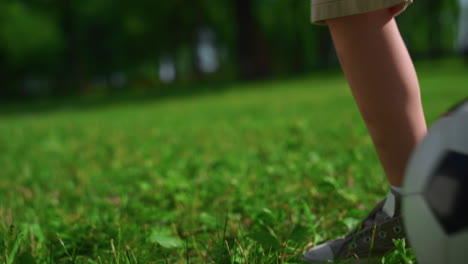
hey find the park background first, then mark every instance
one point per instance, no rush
(86, 47)
(192, 131)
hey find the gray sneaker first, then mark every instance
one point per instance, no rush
(368, 242)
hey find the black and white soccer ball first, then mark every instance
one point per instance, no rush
(435, 198)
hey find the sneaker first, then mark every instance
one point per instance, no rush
(368, 242)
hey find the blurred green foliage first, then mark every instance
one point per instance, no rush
(69, 46)
(29, 34)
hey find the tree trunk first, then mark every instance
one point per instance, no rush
(326, 46)
(434, 9)
(252, 47)
(69, 75)
(299, 61)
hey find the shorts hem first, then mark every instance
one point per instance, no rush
(324, 10)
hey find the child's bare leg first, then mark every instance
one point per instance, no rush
(383, 81)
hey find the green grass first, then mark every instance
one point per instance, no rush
(252, 174)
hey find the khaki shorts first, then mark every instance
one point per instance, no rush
(326, 9)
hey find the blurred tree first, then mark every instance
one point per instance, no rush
(433, 10)
(71, 74)
(73, 46)
(428, 28)
(252, 47)
(462, 29)
(30, 44)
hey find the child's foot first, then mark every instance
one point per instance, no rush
(370, 241)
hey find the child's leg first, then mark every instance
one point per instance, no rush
(384, 83)
(383, 80)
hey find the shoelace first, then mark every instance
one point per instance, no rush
(374, 217)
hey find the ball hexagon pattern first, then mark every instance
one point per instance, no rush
(446, 192)
(435, 198)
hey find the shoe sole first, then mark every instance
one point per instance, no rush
(350, 261)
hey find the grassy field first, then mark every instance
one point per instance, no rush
(252, 174)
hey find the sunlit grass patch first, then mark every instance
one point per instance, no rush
(251, 175)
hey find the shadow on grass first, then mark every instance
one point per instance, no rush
(105, 98)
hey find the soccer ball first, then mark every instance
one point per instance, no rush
(435, 196)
